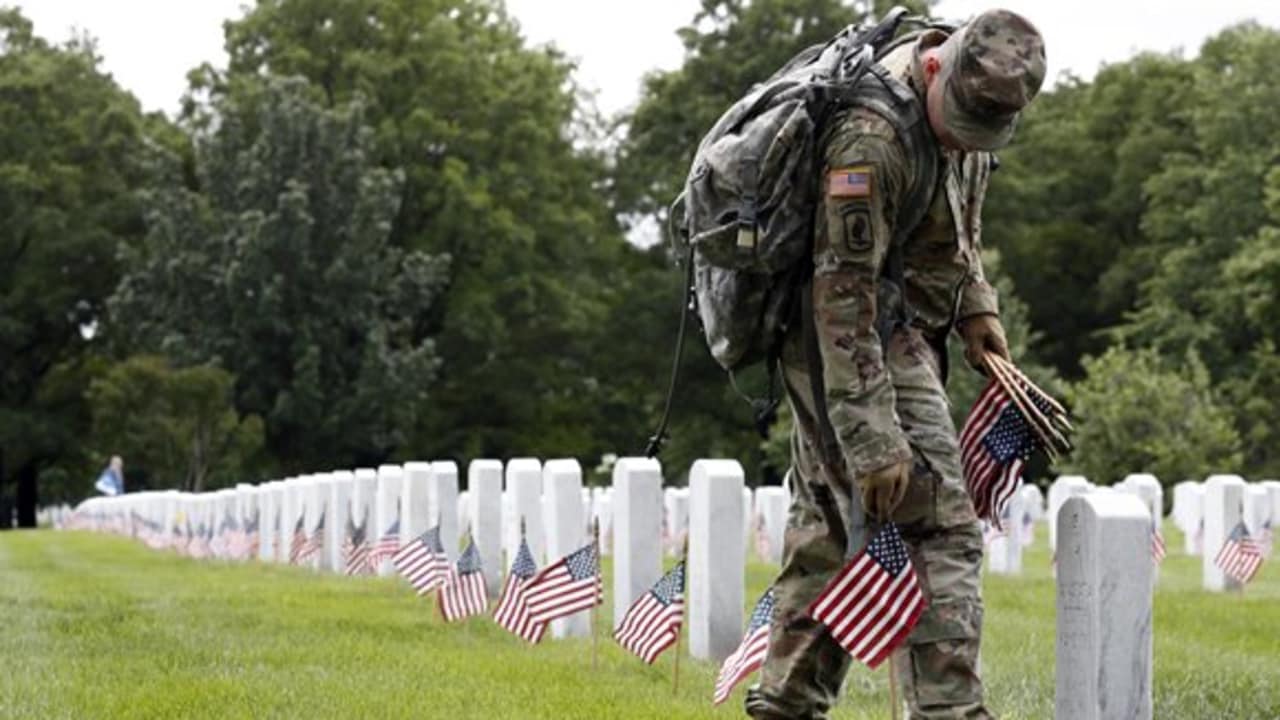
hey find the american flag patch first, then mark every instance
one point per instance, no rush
(850, 182)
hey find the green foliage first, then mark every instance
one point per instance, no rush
(484, 128)
(1137, 413)
(70, 142)
(177, 427)
(287, 642)
(277, 265)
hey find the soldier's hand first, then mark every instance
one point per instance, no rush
(883, 490)
(983, 334)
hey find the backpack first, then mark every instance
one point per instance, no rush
(748, 205)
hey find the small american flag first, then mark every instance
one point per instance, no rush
(315, 542)
(199, 546)
(465, 594)
(1240, 557)
(1157, 544)
(569, 585)
(652, 623)
(994, 445)
(513, 607)
(252, 536)
(355, 550)
(422, 562)
(872, 604)
(990, 532)
(749, 655)
(1028, 534)
(386, 546)
(299, 542)
(1265, 538)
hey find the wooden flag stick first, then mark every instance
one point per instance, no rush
(595, 608)
(1013, 392)
(998, 359)
(893, 690)
(999, 365)
(684, 559)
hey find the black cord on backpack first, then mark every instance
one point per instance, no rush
(656, 441)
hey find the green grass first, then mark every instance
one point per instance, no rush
(98, 627)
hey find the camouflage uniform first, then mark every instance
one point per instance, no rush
(884, 408)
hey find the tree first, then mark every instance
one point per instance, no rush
(277, 265)
(69, 142)
(485, 129)
(177, 428)
(1137, 413)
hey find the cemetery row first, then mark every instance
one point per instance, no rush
(1103, 540)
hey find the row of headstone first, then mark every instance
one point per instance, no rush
(545, 499)
(53, 516)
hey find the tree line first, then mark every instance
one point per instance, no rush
(395, 229)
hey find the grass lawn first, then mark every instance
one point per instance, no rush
(100, 627)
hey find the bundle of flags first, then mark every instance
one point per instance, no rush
(1011, 419)
(1240, 556)
(299, 541)
(652, 623)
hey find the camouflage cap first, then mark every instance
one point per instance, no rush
(991, 69)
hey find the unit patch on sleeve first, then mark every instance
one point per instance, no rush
(850, 182)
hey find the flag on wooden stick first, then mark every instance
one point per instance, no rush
(652, 623)
(872, 604)
(750, 653)
(464, 594)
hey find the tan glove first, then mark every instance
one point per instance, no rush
(983, 334)
(883, 490)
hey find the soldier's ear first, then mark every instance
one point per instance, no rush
(932, 65)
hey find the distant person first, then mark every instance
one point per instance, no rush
(111, 481)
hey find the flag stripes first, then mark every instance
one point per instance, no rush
(652, 623)
(874, 601)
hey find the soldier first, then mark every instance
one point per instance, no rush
(883, 407)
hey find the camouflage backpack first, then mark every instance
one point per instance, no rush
(745, 218)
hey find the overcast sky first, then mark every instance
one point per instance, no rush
(149, 45)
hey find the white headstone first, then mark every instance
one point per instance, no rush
(484, 482)
(1033, 501)
(1148, 489)
(1104, 586)
(637, 519)
(746, 523)
(290, 513)
(316, 513)
(562, 494)
(524, 482)
(363, 492)
(1223, 498)
(386, 509)
(1257, 508)
(715, 578)
(334, 522)
(340, 484)
(268, 506)
(1004, 554)
(1273, 492)
(771, 521)
(676, 518)
(602, 512)
(464, 517)
(1066, 486)
(442, 501)
(414, 505)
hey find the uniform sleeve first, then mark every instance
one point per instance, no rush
(864, 179)
(977, 296)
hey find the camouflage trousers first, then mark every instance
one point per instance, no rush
(938, 665)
